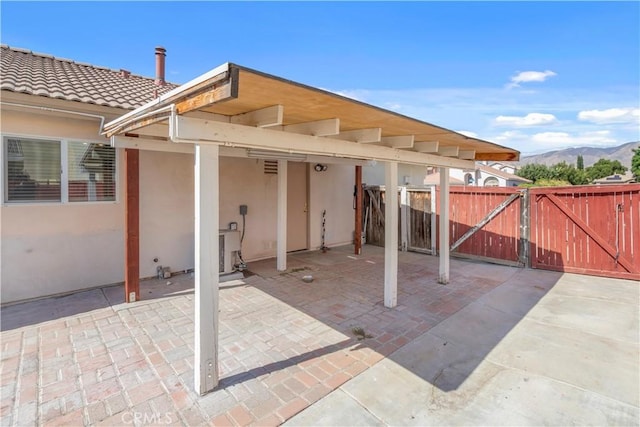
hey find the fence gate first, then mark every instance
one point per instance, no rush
(588, 230)
(485, 223)
(419, 207)
(416, 217)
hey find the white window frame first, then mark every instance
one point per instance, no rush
(64, 174)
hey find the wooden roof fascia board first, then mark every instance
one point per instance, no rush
(217, 74)
(498, 156)
(135, 126)
(196, 131)
(222, 91)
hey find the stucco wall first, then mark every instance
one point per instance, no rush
(55, 248)
(243, 182)
(331, 190)
(407, 174)
(166, 211)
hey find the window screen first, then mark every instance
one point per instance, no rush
(32, 170)
(91, 172)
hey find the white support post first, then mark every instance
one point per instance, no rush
(391, 235)
(404, 219)
(443, 276)
(206, 192)
(281, 227)
(433, 220)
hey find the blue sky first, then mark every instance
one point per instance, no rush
(534, 76)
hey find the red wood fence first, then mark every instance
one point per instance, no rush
(588, 230)
(484, 222)
(581, 229)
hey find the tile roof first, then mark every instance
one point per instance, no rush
(32, 73)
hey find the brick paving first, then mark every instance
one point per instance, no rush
(90, 359)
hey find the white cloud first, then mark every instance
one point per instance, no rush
(529, 76)
(612, 115)
(531, 119)
(565, 139)
(510, 135)
(468, 133)
(475, 110)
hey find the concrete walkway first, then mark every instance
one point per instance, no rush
(509, 358)
(498, 345)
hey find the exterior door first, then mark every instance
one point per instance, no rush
(297, 208)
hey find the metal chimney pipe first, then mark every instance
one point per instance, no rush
(160, 55)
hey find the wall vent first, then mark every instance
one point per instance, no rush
(271, 167)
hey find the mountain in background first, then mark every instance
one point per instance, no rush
(622, 153)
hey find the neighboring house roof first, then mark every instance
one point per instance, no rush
(617, 178)
(38, 74)
(434, 179)
(502, 174)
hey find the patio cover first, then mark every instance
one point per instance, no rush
(236, 111)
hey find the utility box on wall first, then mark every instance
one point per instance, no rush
(229, 242)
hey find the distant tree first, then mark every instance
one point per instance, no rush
(604, 167)
(561, 171)
(635, 164)
(578, 177)
(547, 183)
(580, 162)
(568, 173)
(534, 172)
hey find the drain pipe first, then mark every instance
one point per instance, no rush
(58, 110)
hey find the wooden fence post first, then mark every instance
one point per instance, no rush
(525, 228)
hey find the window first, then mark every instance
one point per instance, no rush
(91, 172)
(491, 181)
(38, 170)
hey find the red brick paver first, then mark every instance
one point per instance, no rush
(284, 344)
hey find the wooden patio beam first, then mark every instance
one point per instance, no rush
(189, 130)
(132, 226)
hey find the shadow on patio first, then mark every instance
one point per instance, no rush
(347, 295)
(283, 343)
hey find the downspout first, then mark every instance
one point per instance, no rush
(58, 110)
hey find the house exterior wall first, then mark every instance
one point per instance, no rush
(332, 190)
(407, 174)
(243, 182)
(166, 211)
(52, 248)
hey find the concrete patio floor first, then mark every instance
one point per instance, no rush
(498, 345)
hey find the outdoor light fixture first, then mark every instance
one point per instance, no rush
(320, 167)
(276, 155)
